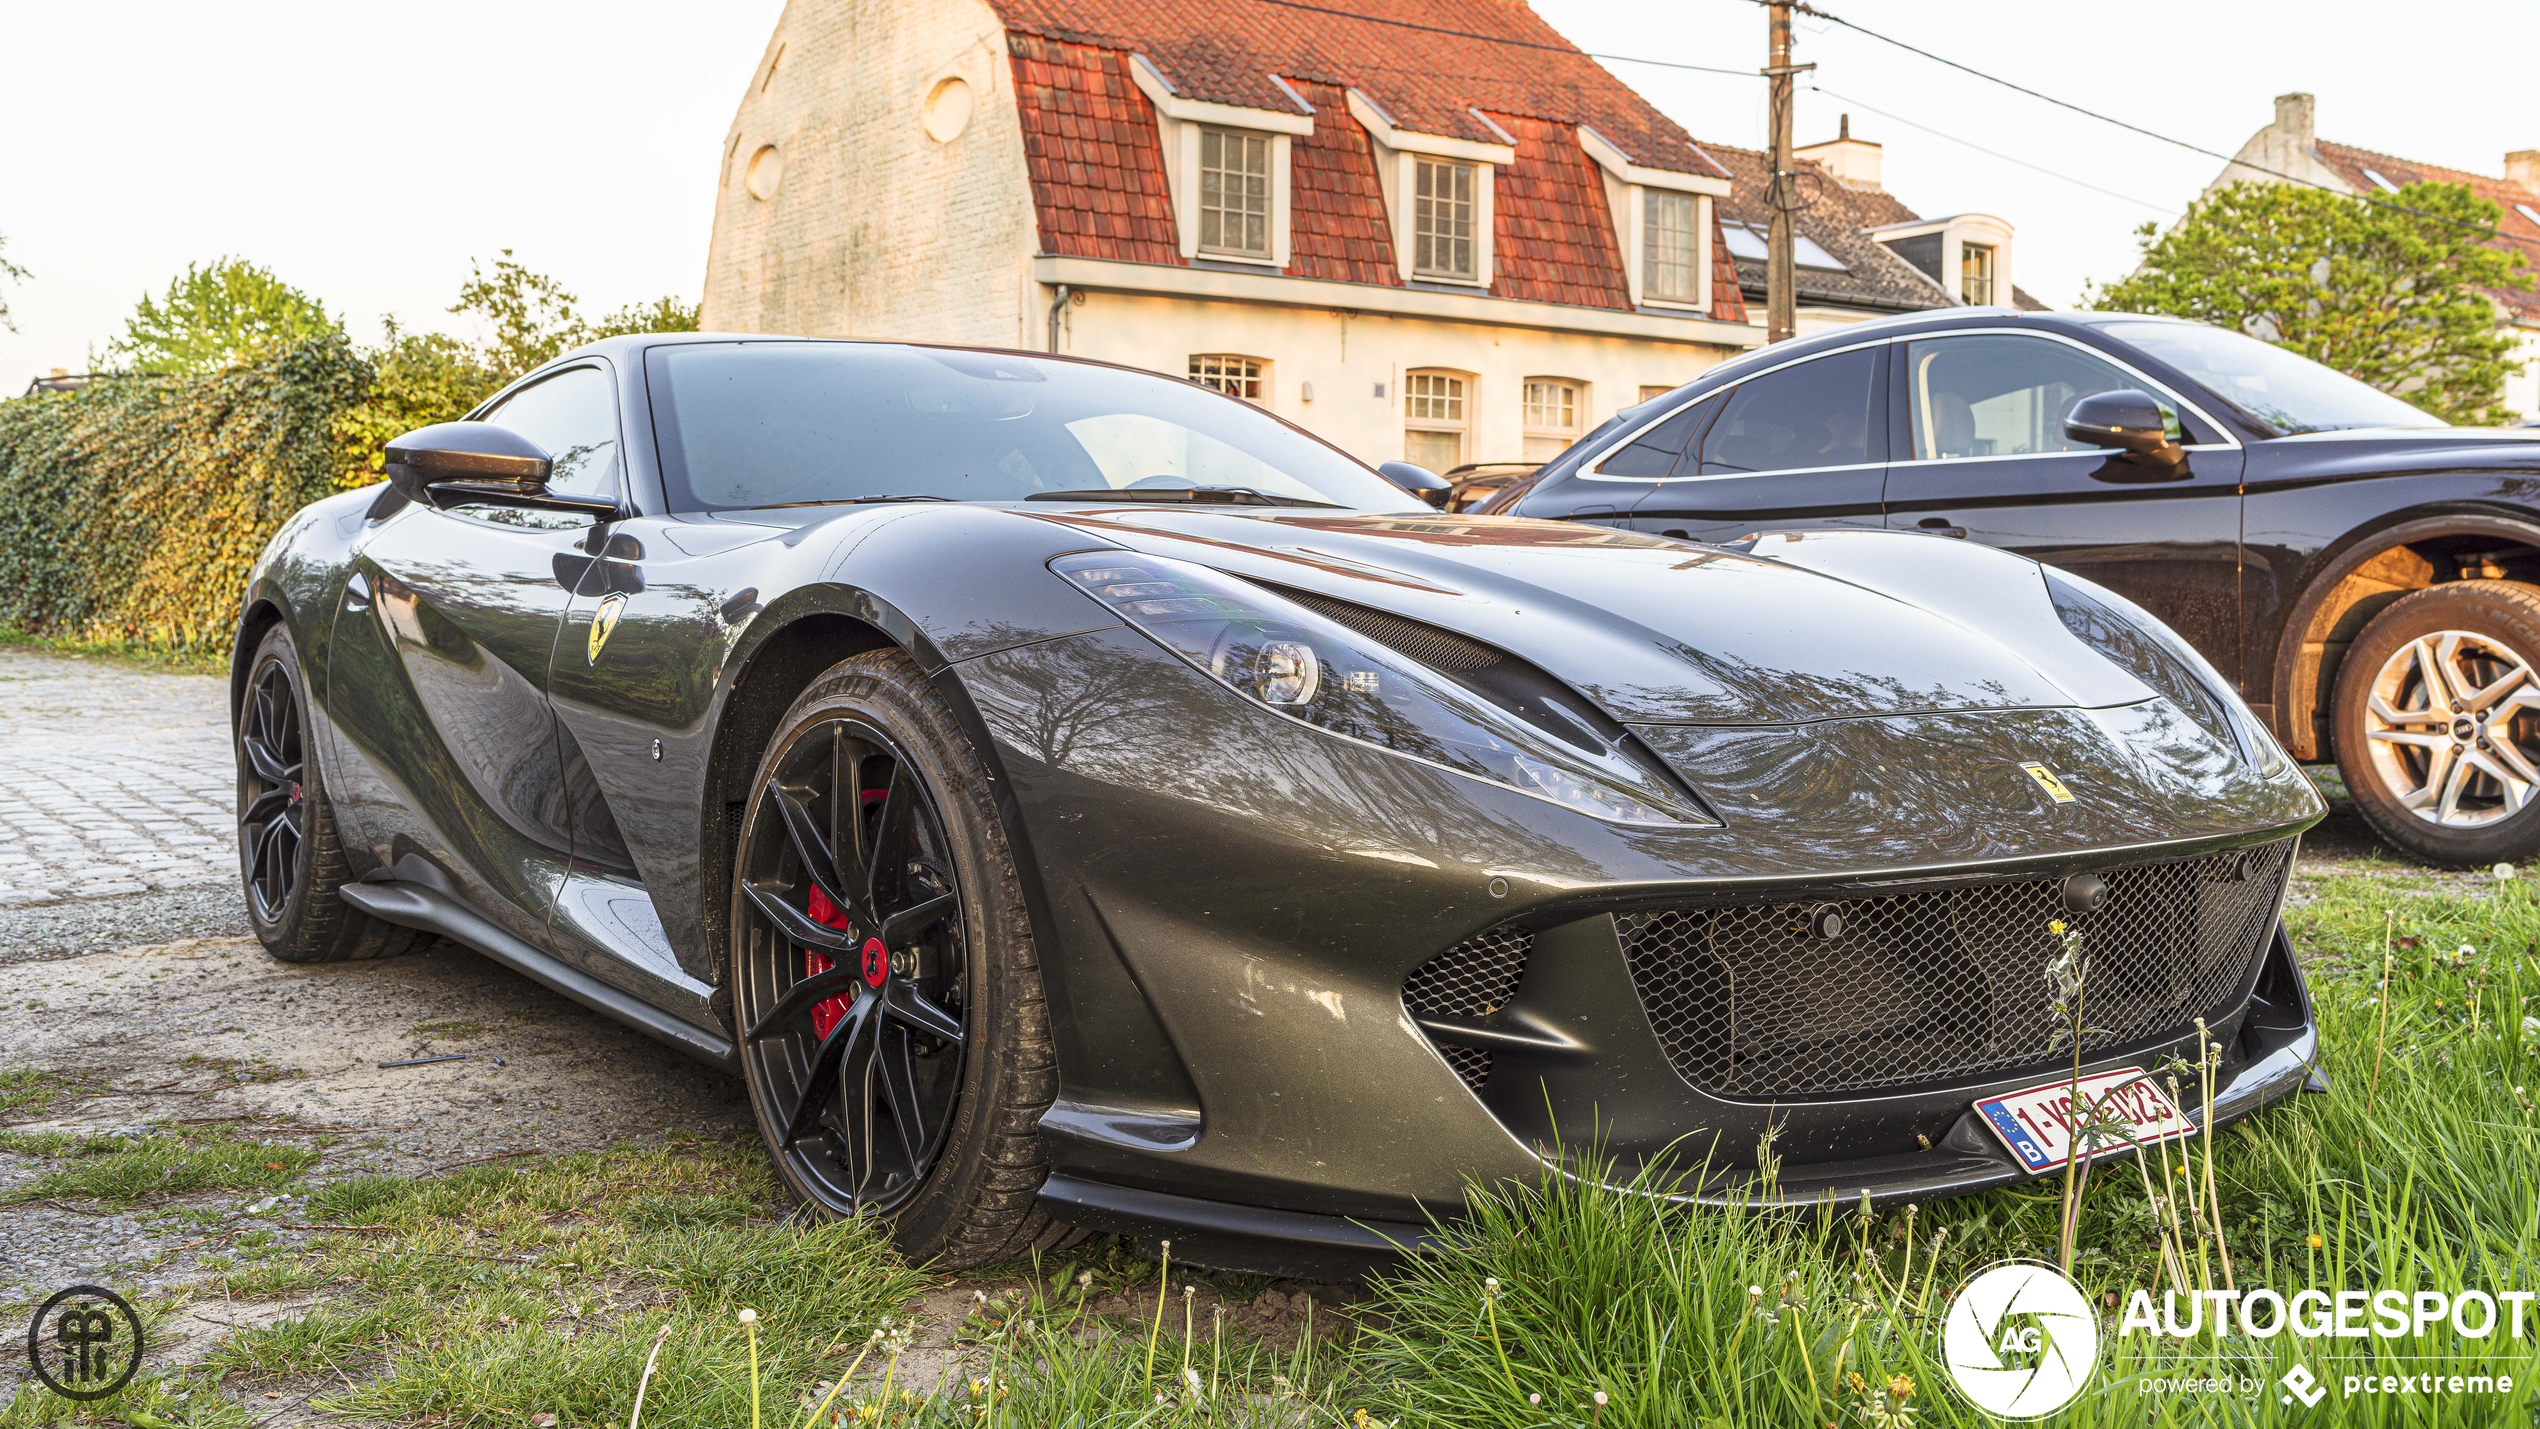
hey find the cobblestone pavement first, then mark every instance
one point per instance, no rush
(114, 778)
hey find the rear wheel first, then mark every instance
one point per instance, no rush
(2437, 719)
(884, 979)
(289, 858)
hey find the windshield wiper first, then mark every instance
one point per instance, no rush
(853, 501)
(1183, 495)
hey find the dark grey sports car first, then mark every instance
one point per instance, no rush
(1073, 798)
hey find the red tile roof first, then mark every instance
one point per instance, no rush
(2517, 230)
(1336, 215)
(1551, 233)
(1428, 63)
(1089, 144)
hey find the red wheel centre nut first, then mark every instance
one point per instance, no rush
(877, 962)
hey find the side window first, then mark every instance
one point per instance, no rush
(1814, 414)
(574, 416)
(1656, 452)
(1992, 396)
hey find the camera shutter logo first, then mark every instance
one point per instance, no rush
(2020, 1340)
(85, 1342)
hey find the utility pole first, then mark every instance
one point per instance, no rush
(1781, 302)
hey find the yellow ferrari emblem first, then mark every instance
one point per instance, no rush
(604, 623)
(2044, 776)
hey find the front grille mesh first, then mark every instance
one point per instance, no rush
(1926, 987)
(1473, 979)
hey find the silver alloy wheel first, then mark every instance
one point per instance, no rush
(2448, 731)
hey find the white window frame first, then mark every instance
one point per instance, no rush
(1178, 122)
(1969, 252)
(1530, 430)
(1462, 426)
(1228, 138)
(1260, 376)
(1396, 150)
(1627, 188)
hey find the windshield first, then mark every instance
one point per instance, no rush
(2275, 385)
(778, 423)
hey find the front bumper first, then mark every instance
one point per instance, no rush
(2273, 1055)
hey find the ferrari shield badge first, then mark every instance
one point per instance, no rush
(2044, 776)
(604, 623)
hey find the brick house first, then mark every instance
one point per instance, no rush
(1444, 234)
(2291, 146)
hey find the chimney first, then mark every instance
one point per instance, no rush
(61, 372)
(2295, 115)
(1853, 162)
(2522, 166)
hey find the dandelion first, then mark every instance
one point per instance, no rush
(1190, 1377)
(1902, 1386)
(1535, 1400)
(2317, 1240)
(749, 1317)
(2503, 870)
(1084, 1279)
(2056, 927)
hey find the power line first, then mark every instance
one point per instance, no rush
(1671, 64)
(1990, 153)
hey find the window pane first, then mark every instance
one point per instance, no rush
(1438, 451)
(1815, 414)
(1656, 453)
(573, 415)
(1234, 192)
(1975, 274)
(1435, 397)
(1442, 219)
(1668, 243)
(1552, 406)
(2003, 396)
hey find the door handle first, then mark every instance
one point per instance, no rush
(1940, 526)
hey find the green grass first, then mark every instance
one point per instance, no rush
(188, 660)
(30, 1091)
(125, 1171)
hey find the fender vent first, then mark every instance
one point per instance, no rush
(1473, 979)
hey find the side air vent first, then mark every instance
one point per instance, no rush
(1436, 648)
(1471, 980)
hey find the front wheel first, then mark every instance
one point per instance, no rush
(2437, 718)
(885, 983)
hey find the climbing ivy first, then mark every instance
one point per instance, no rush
(131, 509)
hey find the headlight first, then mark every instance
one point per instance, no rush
(2143, 647)
(1301, 665)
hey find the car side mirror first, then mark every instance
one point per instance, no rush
(2125, 419)
(1419, 481)
(460, 463)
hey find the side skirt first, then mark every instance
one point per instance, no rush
(411, 905)
(1234, 1237)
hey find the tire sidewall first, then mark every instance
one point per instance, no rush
(278, 648)
(1002, 1007)
(2508, 613)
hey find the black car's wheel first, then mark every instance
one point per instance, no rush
(288, 856)
(2437, 719)
(884, 980)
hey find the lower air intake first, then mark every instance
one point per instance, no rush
(1473, 979)
(1945, 985)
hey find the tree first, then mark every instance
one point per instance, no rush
(2393, 293)
(216, 316)
(533, 318)
(15, 274)
(416, 379)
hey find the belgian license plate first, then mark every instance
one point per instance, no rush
(2036, 1122)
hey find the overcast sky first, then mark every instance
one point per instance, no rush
(367, 153)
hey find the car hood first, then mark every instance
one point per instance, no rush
(1665, 632)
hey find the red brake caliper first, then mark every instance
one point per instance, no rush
(827, 1014)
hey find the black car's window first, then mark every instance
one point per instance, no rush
(2278, 386)
(1814, 414)
(1655, 454)
(778, 423)
(573, 415)
(1989, 396)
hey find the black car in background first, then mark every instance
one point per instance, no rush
(2368, 576)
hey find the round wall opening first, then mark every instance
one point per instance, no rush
(766, 171)
(947, 111)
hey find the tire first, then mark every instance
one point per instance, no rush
(2450, 777)
(910, 1083)
(290, 861)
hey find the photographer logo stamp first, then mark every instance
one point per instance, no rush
(2020, 1340)
(85, 1342)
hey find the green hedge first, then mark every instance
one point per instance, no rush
(131, 509)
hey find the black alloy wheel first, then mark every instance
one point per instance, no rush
(852, 1006)
(272, 794)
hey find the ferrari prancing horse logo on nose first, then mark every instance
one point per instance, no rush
(2044, 776)
(604, 623)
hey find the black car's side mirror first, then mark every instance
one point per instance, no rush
(458, 463)
(2125, 419)
(1418, 480)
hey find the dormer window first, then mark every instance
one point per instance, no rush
(1234, 193)
(1668, 248)
(1442, 220)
